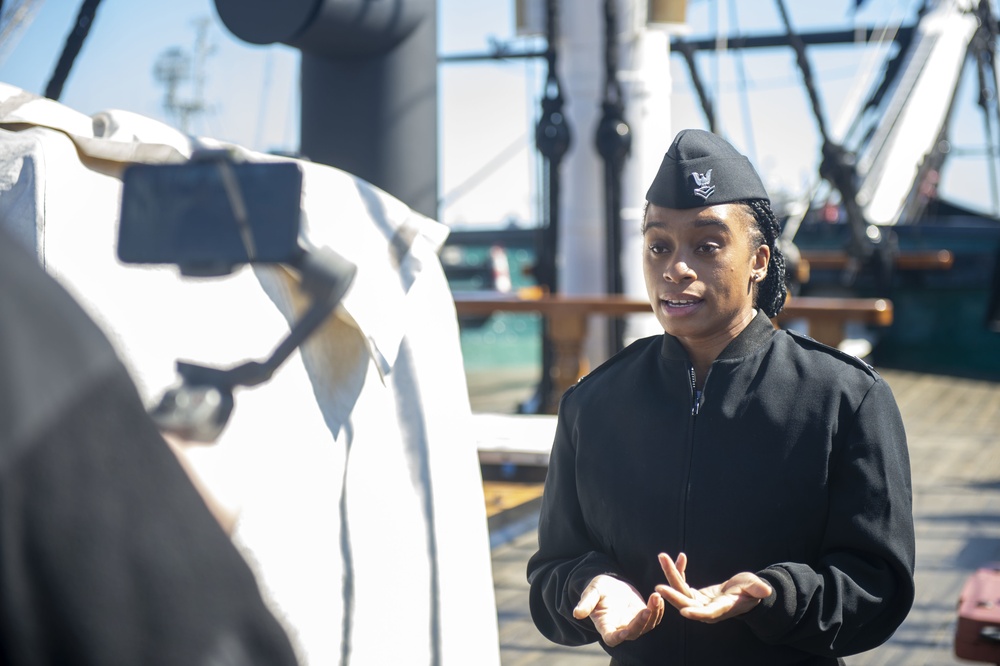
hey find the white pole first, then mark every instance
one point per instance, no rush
(581, 233)
(647, 88)
(644, 59)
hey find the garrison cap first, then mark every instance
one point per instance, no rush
(702, 169)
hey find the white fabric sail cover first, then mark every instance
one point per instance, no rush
(353, 472)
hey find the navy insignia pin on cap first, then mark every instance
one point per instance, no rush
(702, 169)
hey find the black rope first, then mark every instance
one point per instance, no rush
(74, 42)
(706, 101)
(614, 141)
(984, 51)
(552, 139)
(873, 249)
(803, 62)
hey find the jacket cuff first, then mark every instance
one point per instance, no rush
(774, 615)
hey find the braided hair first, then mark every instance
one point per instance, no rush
(770, 293)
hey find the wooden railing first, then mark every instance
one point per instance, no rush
(568, 316)
(916, 260)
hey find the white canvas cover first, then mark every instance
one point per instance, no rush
(353, 472)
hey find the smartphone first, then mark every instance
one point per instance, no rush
(210, 215)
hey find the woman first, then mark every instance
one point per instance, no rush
(755, 480)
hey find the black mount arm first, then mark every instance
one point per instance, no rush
(200, 407)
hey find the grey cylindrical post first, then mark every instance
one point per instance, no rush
(369, 85)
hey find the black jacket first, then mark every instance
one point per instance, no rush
(793, 465)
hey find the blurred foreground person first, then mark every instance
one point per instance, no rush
(108, 555)
(755, 480)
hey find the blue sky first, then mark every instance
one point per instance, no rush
(115, 68)
(252, 91)
(487, 110)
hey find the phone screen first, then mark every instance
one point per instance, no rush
(209, 215)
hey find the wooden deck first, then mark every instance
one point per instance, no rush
(953, 428)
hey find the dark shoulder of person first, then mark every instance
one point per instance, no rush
(604, 377)
(831, 356)
(118, 560)
(49, 348)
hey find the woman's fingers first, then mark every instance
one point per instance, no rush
(656, 607)
(675, 598)
(645, 621)
(675, 573)
(634, 629)
(588, 601)
(681, 564)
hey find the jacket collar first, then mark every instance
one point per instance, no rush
(753, 337)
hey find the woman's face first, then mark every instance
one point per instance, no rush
(700, 269)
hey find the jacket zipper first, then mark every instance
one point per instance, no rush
(695, 408)
(689, 454)
(696, 398)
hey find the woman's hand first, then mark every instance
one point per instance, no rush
(618, 610)
(715, 603)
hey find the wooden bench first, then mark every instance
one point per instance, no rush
(568, 317)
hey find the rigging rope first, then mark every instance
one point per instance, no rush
(741, 76)
(74, 42)
(552, 138)
(869, 247)
(984, 51)
(614, 141)
(687, 51)
(803, 62)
